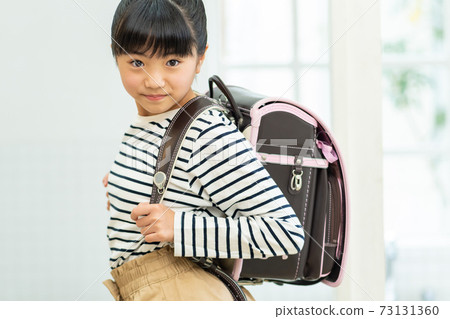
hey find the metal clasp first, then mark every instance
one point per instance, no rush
(160, 179)
(296, 181)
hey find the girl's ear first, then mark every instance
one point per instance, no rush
(201, 60)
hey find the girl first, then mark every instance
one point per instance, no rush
(220, 201)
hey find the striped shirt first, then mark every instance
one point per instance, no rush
(226, 205)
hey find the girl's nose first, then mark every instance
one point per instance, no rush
(154, 81)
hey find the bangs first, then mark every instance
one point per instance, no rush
(152, 28)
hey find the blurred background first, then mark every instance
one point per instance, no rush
(377, 73)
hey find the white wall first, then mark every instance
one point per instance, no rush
(63, 111)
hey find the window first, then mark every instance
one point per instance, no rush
(416, 73)
(277, 48)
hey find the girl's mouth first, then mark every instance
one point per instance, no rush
(156, 97)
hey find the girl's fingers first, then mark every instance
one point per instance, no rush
(139, 210)
(150, 228)
(152, 238)
(105, 183)
(143, 222)
(108, 204)
(105, 180)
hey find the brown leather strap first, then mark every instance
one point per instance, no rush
(231, 284)
(172, 140)
(168, 153)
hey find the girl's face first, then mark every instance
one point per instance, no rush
(159, 84)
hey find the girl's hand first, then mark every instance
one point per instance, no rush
(156, 222)
(105, 183)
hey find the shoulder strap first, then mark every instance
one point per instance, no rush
(172, 140)
(167, 156)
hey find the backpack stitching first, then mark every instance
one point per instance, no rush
(306, 202)
(329, 214)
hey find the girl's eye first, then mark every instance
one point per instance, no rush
(137, 63)
(173, 62)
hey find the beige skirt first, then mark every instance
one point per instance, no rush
(162, 276)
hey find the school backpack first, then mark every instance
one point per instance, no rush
(302, 157)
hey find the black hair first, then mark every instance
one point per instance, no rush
(159, 27)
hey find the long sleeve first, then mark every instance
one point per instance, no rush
(256, 222)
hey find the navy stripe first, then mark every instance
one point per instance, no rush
(175, 201)
(225, 161)
(136, 159)
(135, 169)
(204, 121)
(179, 178)
(124, 211)
(250, 248)
(185, 149)
(160, 125)
(130, 179)
(263, 204)
(205, 236)
(204, 211)
(133, 254)
(129, 190)
(243, 190)
(198, 129)
(213, 141)
(147, 131)
(232, 182)
(113, 260)
(194, 250)
(218, 151)
(267, 243)
(180, 170)
(296, 234)
(140, 139)
(146, 152)
(123, 221)
(279, 208)
(248, 198)
(288, 217)
(124, 231)
(210, 128)
(275, 236)
(124, 240)
(239, 238)
(287, 235)
(216, 239)
(183, 252)
(228, 238)
(122, 249)
(208, 158)
(183, 193)
(123, 200)
(254, 239)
